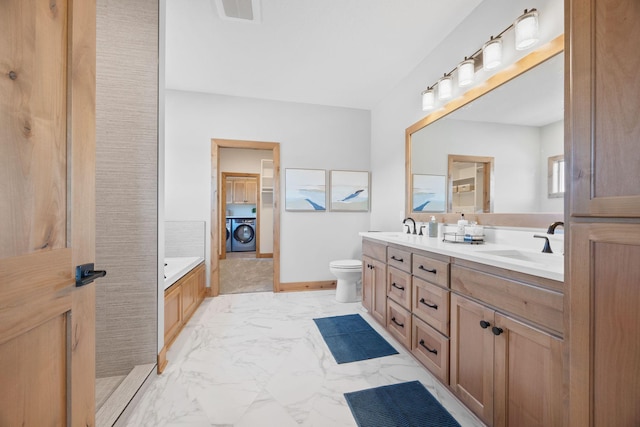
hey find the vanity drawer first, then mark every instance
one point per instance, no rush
(431, 348)
(374, 250)
(399, 323)
(399, 287)
(399, 259)
(431, 304)
(431, 270)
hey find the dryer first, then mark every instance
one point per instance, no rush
(243, 234)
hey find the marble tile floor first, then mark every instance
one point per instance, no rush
(258, 360)
(243, 275)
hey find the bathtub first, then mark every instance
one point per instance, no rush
(178, 267)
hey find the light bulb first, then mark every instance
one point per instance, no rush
(466, 72)
(526, 29)
(445, 87)
(428, 99)
(492, 54)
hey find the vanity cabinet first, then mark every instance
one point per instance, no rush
(180, 302)
(374, 279)
(506, 367)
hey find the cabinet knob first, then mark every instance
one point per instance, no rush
(484, 324)
(496, 331)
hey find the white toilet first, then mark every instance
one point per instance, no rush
(348, 272)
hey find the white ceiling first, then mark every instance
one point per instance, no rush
(347, 53)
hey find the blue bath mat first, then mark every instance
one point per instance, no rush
(399, 405)
(350, 338)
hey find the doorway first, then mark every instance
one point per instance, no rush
(470, 181)
(265, 219)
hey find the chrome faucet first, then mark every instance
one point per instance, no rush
(552, 227)
(408, 228)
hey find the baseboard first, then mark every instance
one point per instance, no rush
(162, 360)
(306, 286)
(264, 255)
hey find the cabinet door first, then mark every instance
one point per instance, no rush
(471, 376)
(229, 191)
(239, 191)
(527, 376)
(251, 191)
(604, 325)
(189, 295)
(172, 314)
(368, 276)
(604, 97)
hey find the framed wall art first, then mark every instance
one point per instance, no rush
(305, 190)
(428, 193)
(349, 191)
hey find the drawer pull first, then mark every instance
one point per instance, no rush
(393, 257)
(428, 270)
(393, 319)
(496, 331)
(397, 287)
(427, 348)
(484, 324)
(434, 306)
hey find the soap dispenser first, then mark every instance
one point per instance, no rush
(462, 223)
(433, 227)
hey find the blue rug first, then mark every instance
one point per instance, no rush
(350, 338)
(399, 405)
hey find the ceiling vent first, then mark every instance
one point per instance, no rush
(239, 10)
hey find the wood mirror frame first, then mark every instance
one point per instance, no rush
(535, 220)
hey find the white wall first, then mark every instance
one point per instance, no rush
(310, 136)
(402, 107)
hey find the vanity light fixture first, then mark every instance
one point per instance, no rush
(526, 35)
(526, 29)
(445, 87)
(492, 53)
(466, 72)
(428, 99)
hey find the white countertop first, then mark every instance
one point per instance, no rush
(536, 263)
(176, 267)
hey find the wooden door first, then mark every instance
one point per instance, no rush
(472, 354)
(604, 96)
(527, 376)
(367, 283)
(47, 213)
(239, 191)
(379, 291)
(604, 366)
(251, 190)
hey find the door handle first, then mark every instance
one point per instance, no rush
(86, 274)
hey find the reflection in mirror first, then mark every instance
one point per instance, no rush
(519, 124)
(470, 182)
(555, 172)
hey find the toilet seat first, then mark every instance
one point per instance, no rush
(346, 264)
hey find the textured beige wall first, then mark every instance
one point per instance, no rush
(126, 184)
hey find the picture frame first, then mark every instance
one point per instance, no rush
(305, 190)
(428, 193)
(349, 191)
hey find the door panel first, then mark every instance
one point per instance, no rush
(47, 214)
(472, 354)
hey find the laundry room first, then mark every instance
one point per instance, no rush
(246, 199)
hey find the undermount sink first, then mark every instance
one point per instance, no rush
(537, 257)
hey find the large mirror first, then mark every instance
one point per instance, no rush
(493, 147)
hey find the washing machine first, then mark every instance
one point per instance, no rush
(243, 234)
(228, 235)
